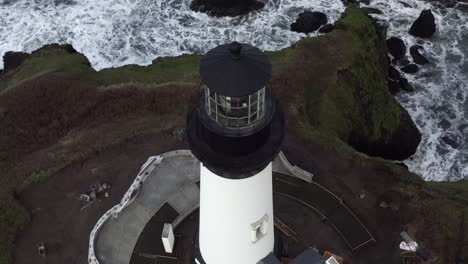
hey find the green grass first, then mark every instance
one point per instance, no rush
(356, 101)
(14, 218)
(184, 68)
(280, 56)
(381, 113)
(44, 61)
(175, 69)
(455, 190)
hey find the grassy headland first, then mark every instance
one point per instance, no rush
(55, 110)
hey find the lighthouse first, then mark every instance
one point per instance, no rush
(235, 130)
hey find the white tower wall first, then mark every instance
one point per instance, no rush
(230, 210)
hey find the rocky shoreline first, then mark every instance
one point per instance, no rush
(309, 21)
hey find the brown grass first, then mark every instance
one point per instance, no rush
(55, 120)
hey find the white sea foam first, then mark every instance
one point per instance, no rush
(112, 33)
(437, 105)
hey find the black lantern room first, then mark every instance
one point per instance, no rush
(237, 127)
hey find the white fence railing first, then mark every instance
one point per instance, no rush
(128, 198)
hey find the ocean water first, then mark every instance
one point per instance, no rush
(112, 33)
(439, 106)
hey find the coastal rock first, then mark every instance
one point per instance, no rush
(393, 73)
(405, 4)
(410, 68)
(67, 47)
(405, 85)
(372, 10)
(64, 2)
(379, 126)
(348, 2)
(12, 60)
(394, 86)
(309, 22)
(220, 8)
(444, 124)
(396, 47)
(327, 28)
(418, 58)
(424, 26)
(402, 62)
(451, 142)
(402, 164)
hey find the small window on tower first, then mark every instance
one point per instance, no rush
(259, 228)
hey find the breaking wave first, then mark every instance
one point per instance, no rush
(439, 105)
(113, 33)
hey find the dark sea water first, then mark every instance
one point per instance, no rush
(113, 33)
(438, 105)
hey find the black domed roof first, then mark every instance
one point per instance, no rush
(235, 69)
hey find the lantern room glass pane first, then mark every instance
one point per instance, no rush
(235, 111)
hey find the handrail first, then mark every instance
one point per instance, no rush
(129, 197)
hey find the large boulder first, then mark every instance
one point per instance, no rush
(393, 80)
(393, 73)
(372, 10)
(308, 22)
(349, 2)
(394, 86)
(232, 8)
(405, 4)
(450, 141)
(418, 58)
(410, 68)
(401, 62)
(396, 47)
(424, 26)
(405, 85)
(327, 28)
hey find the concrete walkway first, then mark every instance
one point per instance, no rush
(171, 181)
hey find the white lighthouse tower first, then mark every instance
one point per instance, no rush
(236, 130)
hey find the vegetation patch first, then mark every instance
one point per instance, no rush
(14, 218)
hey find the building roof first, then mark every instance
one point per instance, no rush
(235, 69)
(309, 256)
(270, 259)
